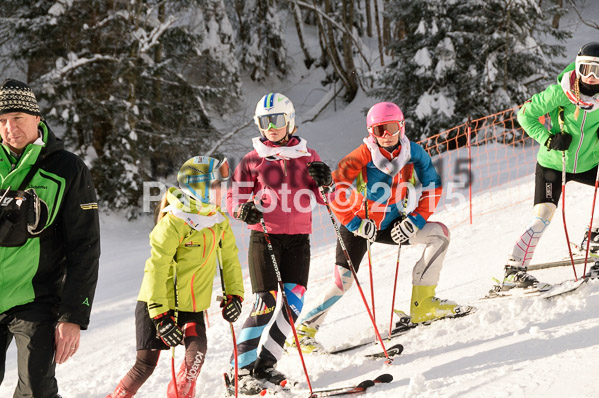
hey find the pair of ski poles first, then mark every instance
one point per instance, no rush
(564, 217)
(370, 271)
(222, 280)
(352, 269)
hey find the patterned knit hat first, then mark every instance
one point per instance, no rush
(16, 96)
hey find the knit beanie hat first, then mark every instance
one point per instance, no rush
(16, 96)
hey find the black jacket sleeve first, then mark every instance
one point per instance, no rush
(80, 229)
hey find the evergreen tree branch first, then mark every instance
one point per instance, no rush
(359, 44)
(591, 24)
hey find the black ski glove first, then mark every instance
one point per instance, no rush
(231, 306)
(248, 213)
(168, 331)
(321, 173)
(559, 142)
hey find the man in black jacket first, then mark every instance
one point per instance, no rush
(49, 244)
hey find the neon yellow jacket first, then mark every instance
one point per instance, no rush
(179, 248)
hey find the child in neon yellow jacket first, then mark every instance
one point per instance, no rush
(190, 235)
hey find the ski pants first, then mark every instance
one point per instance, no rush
(35, 355)
(263, 335)
(149, 346)
(548, 190)
(426, 272)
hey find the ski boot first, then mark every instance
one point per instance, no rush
(516, 276)
(306, 336)
(265, 370)
(425, 307)
(120, 392)
(594, 246)
(593, 272)
(248, 384)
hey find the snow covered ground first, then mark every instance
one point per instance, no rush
(513, 347)
(521, 347)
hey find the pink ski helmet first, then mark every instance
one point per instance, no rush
(384, 112)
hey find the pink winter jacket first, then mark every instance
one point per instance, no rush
(283, 186)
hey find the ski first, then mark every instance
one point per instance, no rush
(392, 351)
(548, 291)
(498, 291)
(405, 323)
(401, 327)
(353, 389)
(564, 288)
(558, 263)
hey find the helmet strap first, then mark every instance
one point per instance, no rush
(283, 140)
(391, 148)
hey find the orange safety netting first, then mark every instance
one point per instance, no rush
(479, 156)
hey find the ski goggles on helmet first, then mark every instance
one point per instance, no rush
(274, 121)
(388, 128)
(587, 66)
(201, 173)
(217, 170)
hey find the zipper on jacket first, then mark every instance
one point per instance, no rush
(577, 153)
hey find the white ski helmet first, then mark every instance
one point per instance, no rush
(274, 110)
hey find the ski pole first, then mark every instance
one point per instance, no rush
(173, 373)
(353, 271)
(586, 257)
(369, 262)
(219, 254)
(273, 259)
(394, 289)
(564, 211)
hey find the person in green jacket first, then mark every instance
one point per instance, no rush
(191, 234)
(572, 106)
(49, 244)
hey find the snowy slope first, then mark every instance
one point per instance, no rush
(517, 347)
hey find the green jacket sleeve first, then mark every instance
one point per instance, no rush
(158, 272)
(540, 104)
(231, 266)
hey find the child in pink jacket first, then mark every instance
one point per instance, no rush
(278, 181)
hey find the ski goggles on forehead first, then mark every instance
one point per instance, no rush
(274, 121)
(388, 128)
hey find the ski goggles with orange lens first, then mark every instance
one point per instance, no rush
(388, 128)
(588, 67)
(274, 121)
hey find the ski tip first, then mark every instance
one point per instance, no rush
(395, 350)
(384, 378)
(263, 392)
(365, 384)
(283, 383)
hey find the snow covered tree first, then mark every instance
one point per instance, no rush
(261, 38)
(128, 81)
(461, 58)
